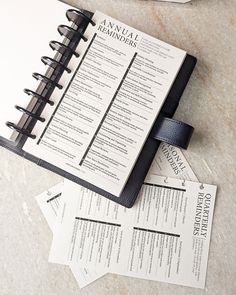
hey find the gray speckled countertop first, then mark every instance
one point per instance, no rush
(206, 29)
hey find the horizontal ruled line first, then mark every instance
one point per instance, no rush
(54, 197)
(157, 232)
(163, 186)
(98, 221)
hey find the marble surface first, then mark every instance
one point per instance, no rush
(206, 29)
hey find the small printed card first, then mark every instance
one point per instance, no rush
(170, 161)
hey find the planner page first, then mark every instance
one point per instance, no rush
(27, 27)
(108, 105)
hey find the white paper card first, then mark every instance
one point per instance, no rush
(170, 161)
(49, 203)
(164, 237)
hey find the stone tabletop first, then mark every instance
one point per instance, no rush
(206, 29)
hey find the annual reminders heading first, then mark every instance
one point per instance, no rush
(119, 32)
(103, 116)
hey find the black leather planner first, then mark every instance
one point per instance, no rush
(165, 128)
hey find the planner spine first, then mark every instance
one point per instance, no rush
(56, 67)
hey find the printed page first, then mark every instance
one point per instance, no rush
(170, 161)
(164, 237)
(104, 114)
(49, 203)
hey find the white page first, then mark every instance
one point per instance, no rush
(109, 104)
(27, 27)
(49, 203)
(170, 161)
(106, 236)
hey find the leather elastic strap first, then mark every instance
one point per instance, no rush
(173, 132)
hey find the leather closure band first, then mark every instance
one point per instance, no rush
(173, 132)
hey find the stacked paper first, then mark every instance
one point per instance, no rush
(164, 237)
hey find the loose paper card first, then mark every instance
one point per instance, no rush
(170, 161)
